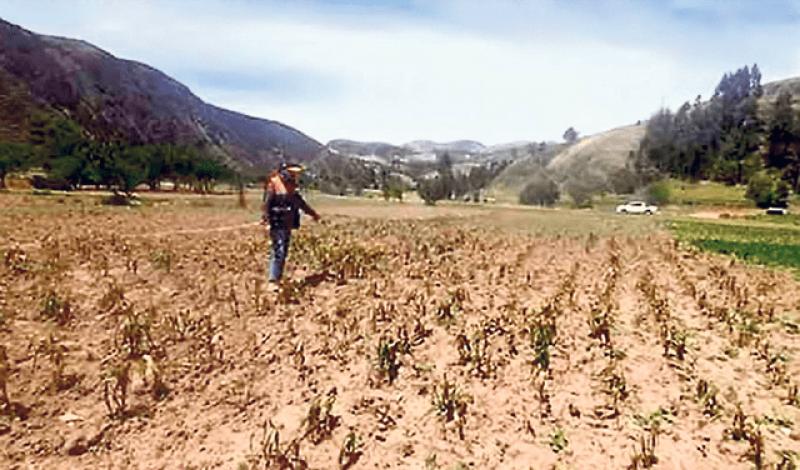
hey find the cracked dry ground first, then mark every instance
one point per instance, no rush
(395, 344)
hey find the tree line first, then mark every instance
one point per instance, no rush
(736, 137)
(71, 158)
(446, 183)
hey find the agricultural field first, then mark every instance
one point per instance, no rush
(765, 240)
(405, 337)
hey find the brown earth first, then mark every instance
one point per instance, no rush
(167, 306)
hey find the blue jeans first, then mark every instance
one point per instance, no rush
(280, 250)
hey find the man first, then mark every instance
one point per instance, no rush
(282, 206)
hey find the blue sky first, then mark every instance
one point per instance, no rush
(399, 70)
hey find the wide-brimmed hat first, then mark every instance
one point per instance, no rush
(295, 168)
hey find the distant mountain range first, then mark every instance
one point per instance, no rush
(117, 98)
(426, 151)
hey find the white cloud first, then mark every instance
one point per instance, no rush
(489, 71)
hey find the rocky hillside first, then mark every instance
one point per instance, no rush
(114, 98)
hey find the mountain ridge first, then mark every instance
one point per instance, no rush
(117, 98)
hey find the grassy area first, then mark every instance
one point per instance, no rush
(771, 245)
(707, 193)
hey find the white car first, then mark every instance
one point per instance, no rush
(777, 211)
(636, 207)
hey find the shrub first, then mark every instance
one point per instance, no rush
(659, 192)
(541, 191)
(624, 181)
(393, 188)
(432, 189)
(120, 199)
(581, 191)
(767, 190)
(50, 183)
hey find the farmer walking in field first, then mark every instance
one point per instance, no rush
(282, 206)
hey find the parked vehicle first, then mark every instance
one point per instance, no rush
(636, 207)
(777, 211)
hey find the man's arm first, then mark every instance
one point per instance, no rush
(306, 208)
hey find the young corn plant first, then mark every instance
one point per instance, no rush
(739, 429)
(16, 260)
(674, 341)
(162, 259)
(178, 324)
(449, 308)
(210, 340)
(558, 441)
(776, 368)
(420, 332)
(269, 454)
(542, 338)
(388, 360)
(706, 396)
(56, 309)
(617, 389)
(320, 421)
(450, 404)
(655, 420)
(644, 456)
(5, 372)
(113, 300)
(756, 451)
(788, 460)
(601, 321)
(133, 339)
(351, 450)
(792, 396)
(153, 377)
(474, 352)
(116, 383)
(545, 407)
(748, 329)
(52, 348)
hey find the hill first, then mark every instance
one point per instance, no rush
(508, 184)
(601, 154)
(773, 89)
(114, 98)
(605, 152)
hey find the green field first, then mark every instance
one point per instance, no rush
(707, 193)
(768, 244)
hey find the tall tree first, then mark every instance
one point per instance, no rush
(570, 135)
(783, 149)
(719, 139)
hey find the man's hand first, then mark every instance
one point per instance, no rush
(316, 217)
